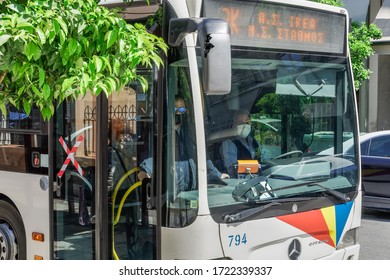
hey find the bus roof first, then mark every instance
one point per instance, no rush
(132, 10)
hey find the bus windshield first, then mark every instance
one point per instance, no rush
(282, 133)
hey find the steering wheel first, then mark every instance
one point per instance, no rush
(290, 154)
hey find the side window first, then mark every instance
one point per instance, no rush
(23, 142)
(180, 155)
(364, 148)
(380, 147)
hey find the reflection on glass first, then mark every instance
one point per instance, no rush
(181, 169)
(300, 114)
(75, 181)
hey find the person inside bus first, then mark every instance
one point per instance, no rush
(185, 168)
(242, 146)
(121, 149)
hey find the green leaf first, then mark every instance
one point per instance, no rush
(86, 79)
(84, 43)
(16, 68)
(15, 7)
(98, 63)
(62, 37)
(36, 91)
(57, 27)
(92, 68)
(144, 83)
(47, 111)
(107, 63)
(121, 46)
(79, 63)
(99, 87)
(111, 37)
(31, 50)
(111, 84)
(81, 27)
(52, 36)
(21, 90)
(27, 106)
(37, 54)
(46, 92)
(3, 108)
(72, 46)
(13, 102)
(42, 76)
(63, 25)
(117, 67)
(67, 83)
(23, 25)
(22, 70)
(84, 83)
(41, 35)
(65, 58)
(4, 39)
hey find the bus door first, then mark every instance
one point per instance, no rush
(101, 208)
(74, 144)
(131, 197)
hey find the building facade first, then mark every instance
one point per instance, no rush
(374, 94)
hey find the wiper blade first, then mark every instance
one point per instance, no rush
(281, 177)
(301, 184)
(231, 218)
(339, 195)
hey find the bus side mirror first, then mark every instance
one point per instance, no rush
(214, 38)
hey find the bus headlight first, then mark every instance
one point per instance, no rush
(349, 239)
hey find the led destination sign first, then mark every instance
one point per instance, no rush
(275, 26)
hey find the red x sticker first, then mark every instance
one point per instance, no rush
(70, 157)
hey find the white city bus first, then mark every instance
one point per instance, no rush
(69, 188)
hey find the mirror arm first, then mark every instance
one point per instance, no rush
(214, 39)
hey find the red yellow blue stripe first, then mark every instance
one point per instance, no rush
(326, 224)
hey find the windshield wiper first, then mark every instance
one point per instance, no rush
(231, 218)
(301, 184)
(339, 195)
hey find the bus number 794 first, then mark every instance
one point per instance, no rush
(237, 239)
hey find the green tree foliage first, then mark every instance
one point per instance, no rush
(360, 49)
(52, 50)
(360, 45)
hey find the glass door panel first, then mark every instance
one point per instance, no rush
(130, 145)
(74, 184)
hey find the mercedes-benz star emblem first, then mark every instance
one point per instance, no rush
(294, 249)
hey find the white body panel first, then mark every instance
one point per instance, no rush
(270, 238)
(200, 241)
(33, 205)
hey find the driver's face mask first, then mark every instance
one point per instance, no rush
(243, 130)
(178, 119)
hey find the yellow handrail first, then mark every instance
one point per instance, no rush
(121, 180)
(133, 187)
(127, 193)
